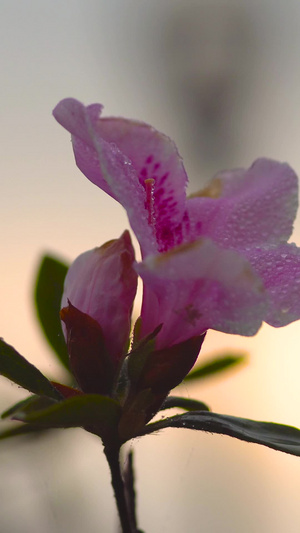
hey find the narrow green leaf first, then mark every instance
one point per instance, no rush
(47, 296)
(183, 403)
(277, 436)
(33, 403)
(18, 406)
(215, 366)
(16, 368)
(18, 431)
(99, 414)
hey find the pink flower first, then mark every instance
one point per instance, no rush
(218, 259)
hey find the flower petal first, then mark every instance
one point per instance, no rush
(137, 165)
(199, 286)
(279, 268)
(106, 166)
(102, 283)
(247, 207)
(155, 158)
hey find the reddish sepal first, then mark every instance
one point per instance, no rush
(89, 358)
(65, 391)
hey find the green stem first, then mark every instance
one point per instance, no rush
(112, 456)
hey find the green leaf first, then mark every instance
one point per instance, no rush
(16, 368)
(18, 431)
(215, 366)
(99, 414)
(48, 295)
(18, 406)
(32, 403)
(183, 403)
(277, 436)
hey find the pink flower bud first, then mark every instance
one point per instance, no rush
(102, 284)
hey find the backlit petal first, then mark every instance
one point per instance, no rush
(199, 286)
(247, 207)
(154, 157)
(106, 166)
(279, 268)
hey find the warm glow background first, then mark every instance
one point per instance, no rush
(223, 80)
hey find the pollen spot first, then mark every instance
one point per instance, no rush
(213, 190)
(179, 249)
(189, 313)
(192, 314)
(248, 276)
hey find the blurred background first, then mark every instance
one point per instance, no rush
(221, 78)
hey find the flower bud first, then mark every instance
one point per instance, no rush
(101, 283)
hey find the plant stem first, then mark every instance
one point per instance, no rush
(112, 456)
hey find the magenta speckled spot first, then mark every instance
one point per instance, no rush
(149, 159)
(164, 177)
(159, 192)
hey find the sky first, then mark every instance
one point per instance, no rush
(222, 79)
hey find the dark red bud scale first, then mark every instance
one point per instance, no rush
(165, 369)
(89, 358)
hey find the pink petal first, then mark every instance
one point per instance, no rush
(106, 166)
(247, 207)
(279, 268)
(154, 157)
(199, 286)
(102, 283)
(136, 165)
(71, 114)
